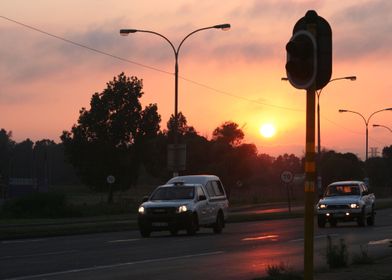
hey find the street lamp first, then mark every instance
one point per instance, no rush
(384, 126)
(366, 123)
(125, 32)
(319, 178)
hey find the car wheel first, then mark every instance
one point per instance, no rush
(321, 221)
(219, 224)
(370, 220)
(145, 232)
(361, 220)
(193, 225)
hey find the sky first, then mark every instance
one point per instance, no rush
(54, 55)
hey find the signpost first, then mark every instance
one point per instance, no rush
(287, 178)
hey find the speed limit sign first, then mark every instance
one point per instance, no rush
(286, 177)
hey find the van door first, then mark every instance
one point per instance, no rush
(202, 206)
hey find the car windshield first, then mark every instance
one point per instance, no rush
(173, 193)
(342, 190)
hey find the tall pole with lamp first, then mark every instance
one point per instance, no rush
(318, 166)
(176, 51)
(366, 121)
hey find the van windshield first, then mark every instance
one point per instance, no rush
(173, 193)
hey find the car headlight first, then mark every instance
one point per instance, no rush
(141, 210)
(354, 205)
(322, 206)
(182, 209)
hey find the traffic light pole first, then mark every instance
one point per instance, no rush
(310, 171)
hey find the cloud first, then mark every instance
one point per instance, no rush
(364, 30)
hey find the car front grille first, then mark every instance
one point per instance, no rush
(337, 207)
(160, 211)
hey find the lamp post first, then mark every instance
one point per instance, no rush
(176, 51)
(366, 123)
(318, 169)
(384, 126)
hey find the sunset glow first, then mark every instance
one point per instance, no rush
(53, 62)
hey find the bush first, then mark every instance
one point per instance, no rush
(280, 272)
(337, 255)
(363, 257)
(38, 205)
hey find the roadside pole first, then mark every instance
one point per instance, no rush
(310, 168)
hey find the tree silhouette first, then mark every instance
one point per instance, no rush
(111, 136)
(228, 133)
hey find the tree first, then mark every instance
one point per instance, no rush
(228, 133)
(6, 148)
(111, 136)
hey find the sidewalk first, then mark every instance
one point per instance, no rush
(380, 270)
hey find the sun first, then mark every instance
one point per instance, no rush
(267, 130)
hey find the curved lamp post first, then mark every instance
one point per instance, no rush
(319, 178)
(176, 51)
(384, 126)
(366, 123)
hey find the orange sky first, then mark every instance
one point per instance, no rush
(45, 81)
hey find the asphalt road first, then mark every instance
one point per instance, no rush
(242, 251)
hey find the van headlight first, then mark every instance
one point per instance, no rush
(322, 206)
(182, 209)
(141, 210)
(354, 205)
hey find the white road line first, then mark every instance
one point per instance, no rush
(93, 268)
(39, 255)
(123, 240)
(316, 237)
(23, 241)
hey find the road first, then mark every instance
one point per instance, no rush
(242, 251)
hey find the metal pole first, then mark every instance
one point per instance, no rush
(310, 167)
(319, 182)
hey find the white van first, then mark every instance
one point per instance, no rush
(185, 203)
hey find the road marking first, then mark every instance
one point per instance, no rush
(23, 241)
(272, 237)
(378, 242)
(316, 237)
(39, 255)
(123, 240)
(93, 268)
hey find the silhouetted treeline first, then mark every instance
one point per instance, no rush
(117, 136)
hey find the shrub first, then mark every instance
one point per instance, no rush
(363, 257)
(280, 272)
(337, 255)
(38, 205)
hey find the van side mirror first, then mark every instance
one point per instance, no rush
(202, 197)
(145, 198)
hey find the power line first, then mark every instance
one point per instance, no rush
(147, 66)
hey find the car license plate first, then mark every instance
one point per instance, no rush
(339, 215)
(159, 224)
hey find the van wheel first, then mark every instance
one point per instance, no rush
(193, 225)
(145, 232)
(173, 231)
(219, 224)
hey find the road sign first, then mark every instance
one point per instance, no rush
(110, 179)
(287, 177)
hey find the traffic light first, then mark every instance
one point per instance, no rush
(301, 65)
(322, 34)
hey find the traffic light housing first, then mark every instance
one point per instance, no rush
(301, 64)
(322, 33)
